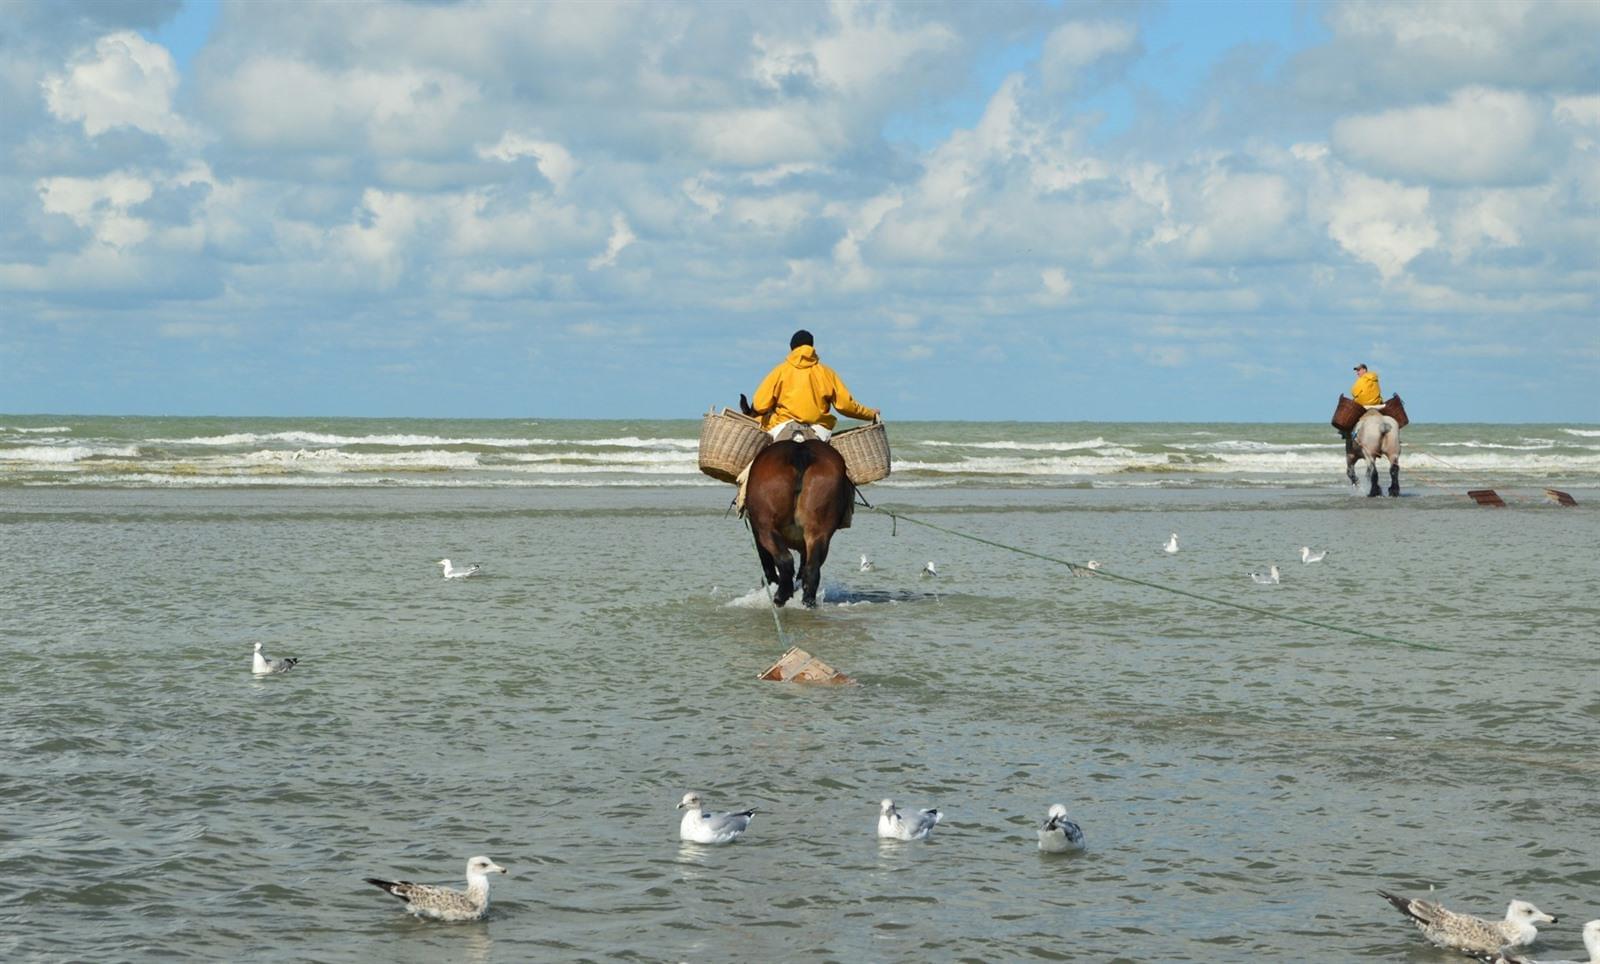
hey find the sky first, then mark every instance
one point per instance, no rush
(1006, 210)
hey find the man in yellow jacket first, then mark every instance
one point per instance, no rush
(802, 389)
(1365, 391)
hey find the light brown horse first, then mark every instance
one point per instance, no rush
(797, 497)
(1375, 434)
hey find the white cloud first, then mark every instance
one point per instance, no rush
(1079, 44)
(1480, 136)
(124, 81)
(554, 161)
(1057, 285)
(621, 237)
(100, 205)
(1382, 223)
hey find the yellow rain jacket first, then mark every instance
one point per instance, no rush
(1365, 390)
(802, 388)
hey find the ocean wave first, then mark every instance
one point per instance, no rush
(169, 480)
(1094, 443)
(419, 441)
(679, 459)
(47, 430)
(56, 454)
(1583, 432)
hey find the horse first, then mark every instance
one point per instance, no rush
(1375, 434)
(797, 496)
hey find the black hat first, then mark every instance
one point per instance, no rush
(1359, 367)
(801, 337)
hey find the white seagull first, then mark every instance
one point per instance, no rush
(1591, 943)
(1059, 835)
(1308, 557)
(1089, 567)
(1471, 935)
(866, 564)
(1269, 579)
(929, 570)
(1171, 547)
(262, 666)
(893, 826)
(451, 572)
(703, 826)
(442, 903)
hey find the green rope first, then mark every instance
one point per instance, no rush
(1155, 585)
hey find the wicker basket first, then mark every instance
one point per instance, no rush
(1347, 414)
(865, 451)
(1396, 409)
(728, 443)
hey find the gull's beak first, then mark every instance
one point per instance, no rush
(1550, 917)
(497, 868)
(682, 805)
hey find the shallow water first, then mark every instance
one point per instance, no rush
(1245, 783)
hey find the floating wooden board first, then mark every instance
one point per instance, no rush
(1487, 497)
(1560, 497)
(799, 666)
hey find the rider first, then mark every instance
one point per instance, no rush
(1365, 391)
(802, 390)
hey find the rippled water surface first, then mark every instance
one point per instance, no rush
(1245, 783)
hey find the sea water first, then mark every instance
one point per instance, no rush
(1244, 782)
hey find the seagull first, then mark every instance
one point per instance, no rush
(262, 666)
(895, 827)
(1089, 567)
(1270, 579)
(1171, 547)
(1308, 557)
(1471, 935)
(1591, 942)
(929, 570)
(451, 572)
(866, 564)
(703, 826)
(1059, 835)
(442, 903)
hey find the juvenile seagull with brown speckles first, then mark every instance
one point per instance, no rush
(442, 903)
(1471, 935)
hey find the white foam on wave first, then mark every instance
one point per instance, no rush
(336, 459)
(1094, 443)
(415, 441)
(680, 459)
(333, 480)
(47, 430)
(58, 454)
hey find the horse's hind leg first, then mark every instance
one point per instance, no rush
(777, 564)
(1350, 459)
(1372, 476)
(815, 554)
(1394, 476)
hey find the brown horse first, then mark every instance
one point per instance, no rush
(797, 497)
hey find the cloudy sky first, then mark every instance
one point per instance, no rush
(1189, 211)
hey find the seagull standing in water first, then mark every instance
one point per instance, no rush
(929, 570)
(442, 903)
(451, 572)
(1270, 579)
(866, 564)
(1171, 547)
(262, 666)
(893, 826)
(1308, 557)
(1471, 935)
(703, 826)
(1059, 835)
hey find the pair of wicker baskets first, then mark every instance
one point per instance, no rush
(729, 441)
(1349, 412)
